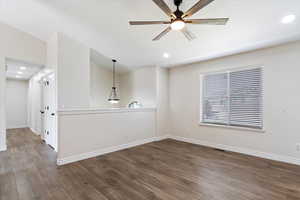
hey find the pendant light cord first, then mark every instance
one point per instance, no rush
(114, 66)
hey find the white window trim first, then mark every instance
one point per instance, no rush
(201, 123)
(232, 127)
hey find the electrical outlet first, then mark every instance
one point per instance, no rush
(298, 147)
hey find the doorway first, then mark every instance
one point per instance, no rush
(31, 100)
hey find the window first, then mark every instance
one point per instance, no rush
(233, 98)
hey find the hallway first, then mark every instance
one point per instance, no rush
(27, 167)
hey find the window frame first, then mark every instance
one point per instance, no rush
(201, 104)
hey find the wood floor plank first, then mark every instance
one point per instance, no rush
(164, 170)
(8, 188)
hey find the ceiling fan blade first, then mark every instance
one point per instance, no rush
(189, 35)
(216, 21)
(167, 30)
(148, 22)
(162, 5)
(198, 6)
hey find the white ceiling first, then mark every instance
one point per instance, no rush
(103, 25)
(21, 70)
(104, 62)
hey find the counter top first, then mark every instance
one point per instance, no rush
(81, 111)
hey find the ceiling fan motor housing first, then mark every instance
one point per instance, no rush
(178, 13)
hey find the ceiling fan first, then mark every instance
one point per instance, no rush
(178, 19)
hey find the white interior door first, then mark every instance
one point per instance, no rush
(45, 114)
(50, 112)
(42, 112)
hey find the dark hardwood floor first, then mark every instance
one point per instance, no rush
(165, 170)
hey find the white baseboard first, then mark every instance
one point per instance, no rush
(17, 126)
(99, 152)
(34, 131)
(163, 137)
(3, 148)
(270, 156)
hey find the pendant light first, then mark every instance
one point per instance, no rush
(113, 98)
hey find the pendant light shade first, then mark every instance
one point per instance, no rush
(113, 98)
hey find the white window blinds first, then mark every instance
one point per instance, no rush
(233, 98)
(215, 99)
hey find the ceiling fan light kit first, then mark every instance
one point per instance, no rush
(177, 25)
(178, 19)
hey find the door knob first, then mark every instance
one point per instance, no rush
(42, 112)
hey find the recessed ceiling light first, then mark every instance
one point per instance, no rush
(166, 55)
(288, 19)
(23, 68)
(20, 72)
(51, 76)
(17, 76)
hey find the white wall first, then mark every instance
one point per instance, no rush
(73, 73)
(52, 52)
(100, 86)
(70, 61)
(2, 104)
(139, 85)
(16, 103)
(35, 105)
(85, 133)
(162, 101)
(21, 46)
(88, 133)
(281, 100)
